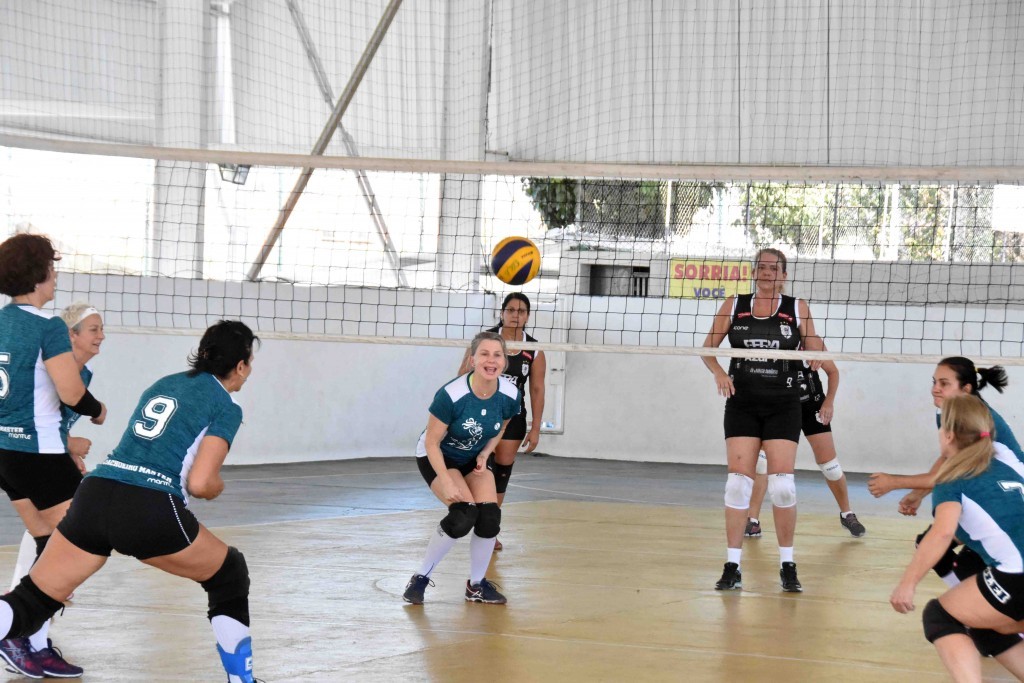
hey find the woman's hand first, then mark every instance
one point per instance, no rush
(481, 462)
(102, 416)
(880, 484)
(826, 411)
(902, 598)
(450, 492)
(532, 439)
(909, 504)
(724, 383)
(79, 446)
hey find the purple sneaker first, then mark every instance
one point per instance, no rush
(53, 664)
(17, 652)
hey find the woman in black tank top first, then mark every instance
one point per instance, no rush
(762, 409)
(525, 367)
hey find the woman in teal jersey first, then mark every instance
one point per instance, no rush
(37, 375)
(979, 496)
(467, 419)
(136, 500)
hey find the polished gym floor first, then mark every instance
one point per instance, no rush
(609, 568)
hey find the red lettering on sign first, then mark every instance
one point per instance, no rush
(679, 272)
(716, 272)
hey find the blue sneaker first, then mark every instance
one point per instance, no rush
(238, 663)
(53, 664)
(415, 588)
(485, 592)
(17, 652)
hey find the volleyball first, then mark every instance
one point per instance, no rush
(515, 260)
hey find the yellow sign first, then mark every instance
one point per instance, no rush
(703, 279)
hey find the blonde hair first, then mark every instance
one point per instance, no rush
(968, 419)
(74, 314)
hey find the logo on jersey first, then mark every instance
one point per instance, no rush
(761, 344)
(787, 332)
(474, 429)
(997, 591)
(526, 368)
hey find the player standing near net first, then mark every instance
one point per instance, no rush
(817, 407)
(522, 367)
(135, 501)
(467, 418)
(37, 374)
(977, 498)
(762, 408)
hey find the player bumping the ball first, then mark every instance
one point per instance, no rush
(467, 418)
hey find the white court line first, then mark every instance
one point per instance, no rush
(590, 495)
(376, 625)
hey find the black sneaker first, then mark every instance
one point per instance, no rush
(853, 525)
(790, 584)
(485, 592)
(732, 578)
(753, 528)
(415, 588)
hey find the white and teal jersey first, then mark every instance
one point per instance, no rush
(163, 434)
(992, 519)
(29, 405)
(472, 421)
(1001, 432)
(69, 417)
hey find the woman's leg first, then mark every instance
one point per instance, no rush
(825, 452)
(757, 494)
(958, 652)
(781, 461)
(222, 572)
(504, 459)
(741, 454)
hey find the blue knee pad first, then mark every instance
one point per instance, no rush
(239, 662)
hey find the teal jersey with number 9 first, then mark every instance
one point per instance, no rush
(163, 435)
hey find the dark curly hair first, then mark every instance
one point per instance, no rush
(222, 347)
(25, 262)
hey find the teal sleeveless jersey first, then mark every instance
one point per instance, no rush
(69, 417)
(472, 421)
(164, 432)
(992, 515)
(29, 406)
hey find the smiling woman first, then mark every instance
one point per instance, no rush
(467, 419)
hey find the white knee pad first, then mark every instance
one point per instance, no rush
(782, 489)
(832, 470)
(762, 463)
(738, 488)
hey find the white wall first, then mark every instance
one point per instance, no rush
(324, 401)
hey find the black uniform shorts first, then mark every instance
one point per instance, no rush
(516, 429)
(765, 418)
(46, 479)
(429, 475)
(811, 425)
(110, 515)
(1003, 591)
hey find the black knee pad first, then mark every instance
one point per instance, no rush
(31, 606)
(460, 519)
(488, 520)
(40, 544)
(938, 623)
(992, 643)
(501, 476)
(228, 590)
(968, 563)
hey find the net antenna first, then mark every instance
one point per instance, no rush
(333, 124)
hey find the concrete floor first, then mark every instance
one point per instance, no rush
(609, 568)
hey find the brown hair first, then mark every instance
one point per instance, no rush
(968, 419)
(25, 262)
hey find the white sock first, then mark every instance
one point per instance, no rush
(439, 545)
(950, 580)
(38, 639)
(480, 552)
(785, 554)
(733, 555)
(846, 514)
(26, 558)
(229, 632)
(6, 618)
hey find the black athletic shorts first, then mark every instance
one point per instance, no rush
(811, 425)
(516, 429)
(764, 418)
(1003, 591)
(46, 479)
(429, 475)
(143, 523)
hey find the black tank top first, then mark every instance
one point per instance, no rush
(765, 376)
(518, 368)
(811, 388)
